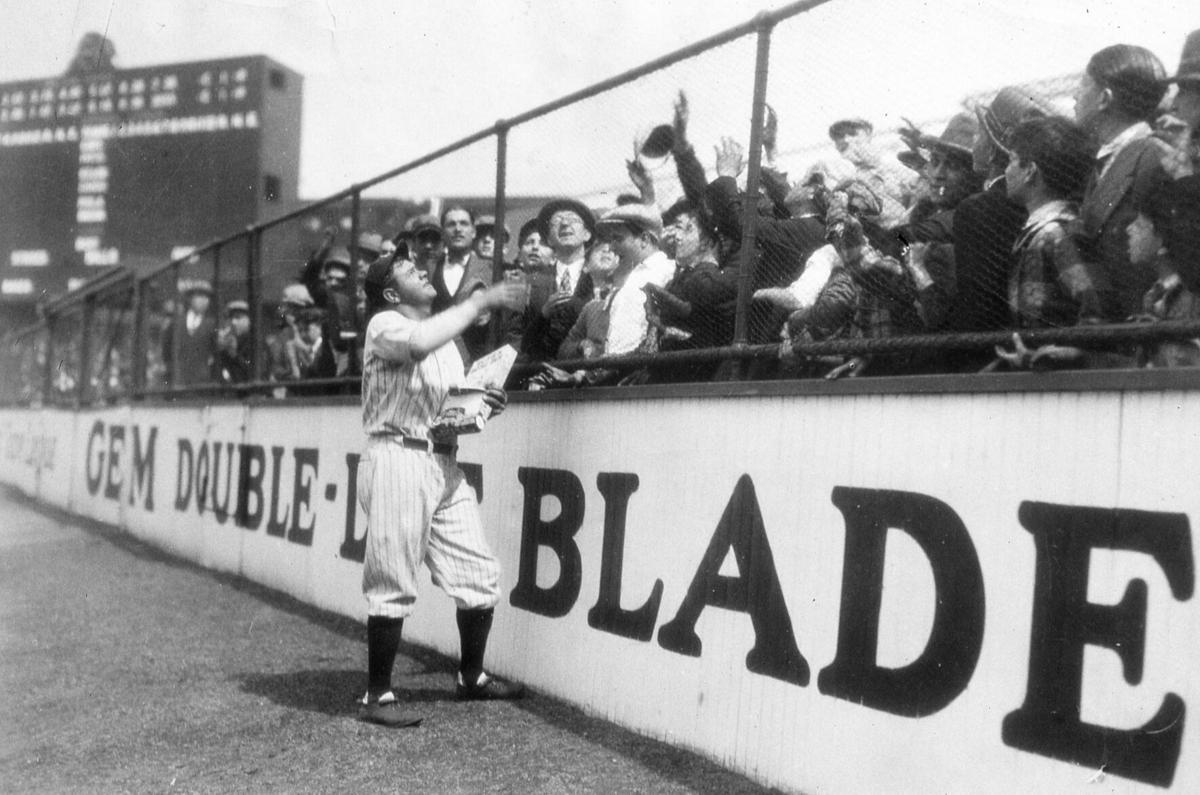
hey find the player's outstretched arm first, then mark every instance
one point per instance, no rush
(434, 332)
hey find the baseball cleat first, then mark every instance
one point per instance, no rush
(386, 711)
(488, 688)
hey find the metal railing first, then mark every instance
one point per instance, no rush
(52, 366)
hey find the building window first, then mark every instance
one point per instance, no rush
(271, 187)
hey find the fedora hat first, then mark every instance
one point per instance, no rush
(555, 205)
(1189, 61)
(659, 142)
(1011, 106)
(957, 139)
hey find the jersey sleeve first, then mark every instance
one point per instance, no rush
(389, 336)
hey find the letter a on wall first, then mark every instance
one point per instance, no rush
(755, 591)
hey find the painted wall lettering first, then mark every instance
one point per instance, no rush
(116, 446)
(142, 481)
(276, 524)
(607, 614)
(353, 547)
(1064, 621)
(251, 468)
(558, 534)
(755, 591)
(944, 667)
(306, 459)
(95, 458)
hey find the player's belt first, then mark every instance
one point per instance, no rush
(441, 448)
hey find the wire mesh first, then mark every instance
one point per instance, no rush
(110, 350)
(644, 151)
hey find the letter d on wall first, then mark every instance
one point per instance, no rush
(944, 668)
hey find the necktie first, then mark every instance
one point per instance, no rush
(564, 281)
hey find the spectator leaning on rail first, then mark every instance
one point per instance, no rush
(1051, 284)
(700, 300)
(1117, 96)
(1166, 233)
(196, 344)
(987, 224)
(633, 231)
(568, 226)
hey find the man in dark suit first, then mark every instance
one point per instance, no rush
(190, 342)
(1117, 96)
(458, 274)
(568, 227)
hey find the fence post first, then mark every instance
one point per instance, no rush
(747, 254)
(254, 298)
(494, 325)
(85, 351)
(137, 354)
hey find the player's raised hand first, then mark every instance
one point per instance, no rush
(503, 295)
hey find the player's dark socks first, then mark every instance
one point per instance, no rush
(383, 641)
(474, 626)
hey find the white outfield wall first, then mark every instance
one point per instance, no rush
(842, 593)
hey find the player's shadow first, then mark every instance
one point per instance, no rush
(330, 692)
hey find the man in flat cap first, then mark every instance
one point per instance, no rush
(634, 232)
(486, 237)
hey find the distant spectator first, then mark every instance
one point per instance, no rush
(328, 279)
(282, 364)
(1117, 96)
(853, 138)
(94, 55)
(1051, 284)
(428, 246)
(986, 225)
(234, 344)
(1186, 105)
(485, 238)
(189, 354)
(460, 273)
(534, 267)
(568, 227)
(1166, 234)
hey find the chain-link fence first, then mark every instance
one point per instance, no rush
(743, 208)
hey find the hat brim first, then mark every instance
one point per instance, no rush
(938, 145)
(577, 207)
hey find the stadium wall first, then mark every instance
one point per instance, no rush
(843, 593)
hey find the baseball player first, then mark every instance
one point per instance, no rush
(419, 507)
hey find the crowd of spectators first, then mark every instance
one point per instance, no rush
(1013, 218)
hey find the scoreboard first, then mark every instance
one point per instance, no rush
(135, 167)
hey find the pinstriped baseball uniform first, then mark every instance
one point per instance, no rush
(419, 506)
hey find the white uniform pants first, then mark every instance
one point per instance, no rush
(420, 509)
